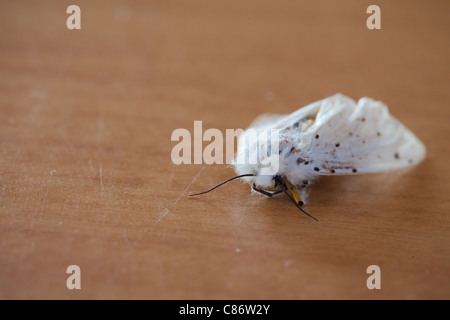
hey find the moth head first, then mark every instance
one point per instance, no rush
(258, 178)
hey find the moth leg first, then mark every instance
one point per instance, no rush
(296, 196)
(277, 192)
(294, 193)
(264, 192)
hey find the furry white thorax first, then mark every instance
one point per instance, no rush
(287, 163)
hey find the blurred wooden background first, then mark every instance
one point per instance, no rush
(86, 176)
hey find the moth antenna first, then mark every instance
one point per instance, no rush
(282, 185)
(222, 183)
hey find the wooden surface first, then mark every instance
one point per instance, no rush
(87, 179)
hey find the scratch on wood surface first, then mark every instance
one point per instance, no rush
(100, 123)
(164, 213)
(189, 185)
(166, 210)
(126, 239)
(101, 178)
(3, 192)
(105, 213)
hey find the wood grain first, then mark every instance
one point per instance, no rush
(87, 179)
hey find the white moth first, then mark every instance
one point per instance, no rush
(334, 136)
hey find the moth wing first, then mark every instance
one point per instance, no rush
(266, 120)
(277, 121)
(348, 138)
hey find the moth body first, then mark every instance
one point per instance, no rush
(334, 136)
